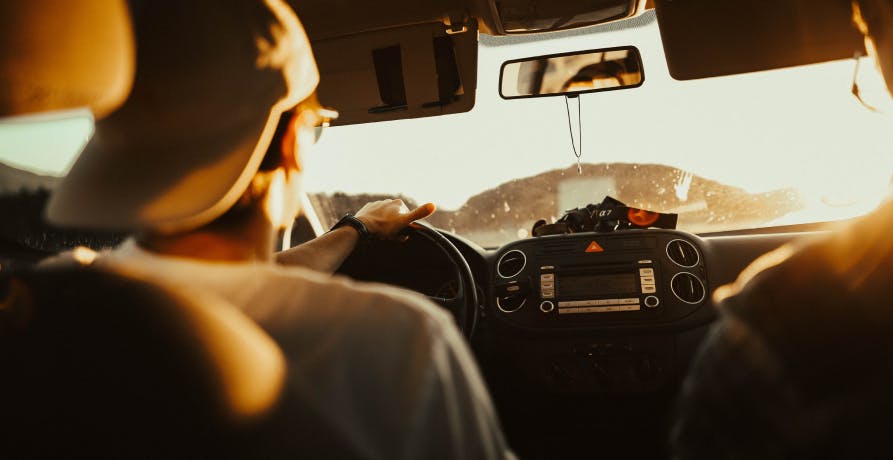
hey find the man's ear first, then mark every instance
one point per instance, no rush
(290, 151)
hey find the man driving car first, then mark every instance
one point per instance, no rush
(203, 163)
(798, 366)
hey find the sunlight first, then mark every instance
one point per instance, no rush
(796, 127)
(797, 131)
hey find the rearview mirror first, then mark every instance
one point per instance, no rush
(572, 73)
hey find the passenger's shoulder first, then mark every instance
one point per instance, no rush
(828, 289)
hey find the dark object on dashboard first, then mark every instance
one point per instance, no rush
(608, 216)
(707, 38)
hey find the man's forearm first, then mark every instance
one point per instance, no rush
(325, 253)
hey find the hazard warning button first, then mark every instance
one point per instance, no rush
(594, 247)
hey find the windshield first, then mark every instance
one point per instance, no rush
(769, 148)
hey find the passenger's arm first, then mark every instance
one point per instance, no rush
(734, 403)
(383, 219)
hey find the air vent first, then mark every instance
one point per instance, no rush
(511, 263)
(559, 248)
(688, 288)
(511, 303)
(683, 253)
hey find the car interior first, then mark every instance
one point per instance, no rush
(585, 285)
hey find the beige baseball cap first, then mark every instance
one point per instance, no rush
(212, 79)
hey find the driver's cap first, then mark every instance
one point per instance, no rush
(212, 79)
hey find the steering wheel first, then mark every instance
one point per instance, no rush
(464, 304)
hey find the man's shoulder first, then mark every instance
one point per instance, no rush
(338, 289)
(362, 304)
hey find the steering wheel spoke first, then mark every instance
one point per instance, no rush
(452, 303)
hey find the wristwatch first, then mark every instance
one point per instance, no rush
(351, 220)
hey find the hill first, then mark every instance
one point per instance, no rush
(507, 211)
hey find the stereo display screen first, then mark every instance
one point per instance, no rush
(591, 286)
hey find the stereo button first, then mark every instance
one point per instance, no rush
(630, 301)
(547, 277)
(646, 272)
(649, 289)
(647, 280)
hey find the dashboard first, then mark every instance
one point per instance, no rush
(583, 336)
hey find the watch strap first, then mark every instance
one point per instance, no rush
(351, 220)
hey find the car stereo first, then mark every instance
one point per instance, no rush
(584, 290)
(599, 278)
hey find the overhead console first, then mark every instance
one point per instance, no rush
(505, 17)
(592, 280)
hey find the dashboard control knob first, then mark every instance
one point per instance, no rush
(547, 306)
(652, 301)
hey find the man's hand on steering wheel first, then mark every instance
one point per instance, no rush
(386, 218)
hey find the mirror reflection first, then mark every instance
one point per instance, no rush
(572, 73)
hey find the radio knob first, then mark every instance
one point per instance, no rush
(652, 301)
(547, 306)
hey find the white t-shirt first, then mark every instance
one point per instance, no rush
(384, 367)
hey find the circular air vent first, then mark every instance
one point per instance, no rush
(683, 253)
(511, 303)
(688, 288)
(511, 263)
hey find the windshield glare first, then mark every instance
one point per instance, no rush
(769, 148)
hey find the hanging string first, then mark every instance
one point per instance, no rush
(577, 152)
(855, 88)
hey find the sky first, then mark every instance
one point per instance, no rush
(796, 127)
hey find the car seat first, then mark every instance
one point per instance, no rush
(97, 364)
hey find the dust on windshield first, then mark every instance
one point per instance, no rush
(508, 211)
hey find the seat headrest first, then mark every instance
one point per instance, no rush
(95, 363)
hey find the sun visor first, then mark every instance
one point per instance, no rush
(709, 38)
(412, 71)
